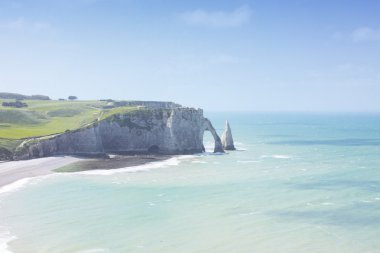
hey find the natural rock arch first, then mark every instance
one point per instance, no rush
(207, 126)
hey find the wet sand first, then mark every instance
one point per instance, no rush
(114, 162)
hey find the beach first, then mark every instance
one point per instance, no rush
(13, 171)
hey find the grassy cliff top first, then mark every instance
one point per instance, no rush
(47, 117)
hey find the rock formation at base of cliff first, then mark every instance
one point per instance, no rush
(152, 130)
(227, 140)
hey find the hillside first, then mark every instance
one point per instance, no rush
(48, 117)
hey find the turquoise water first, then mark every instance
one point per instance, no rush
(298, 183)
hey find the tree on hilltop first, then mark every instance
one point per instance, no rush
(72, 97)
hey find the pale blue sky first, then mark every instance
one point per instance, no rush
(219, 55)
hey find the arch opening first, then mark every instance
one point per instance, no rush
(208, 142)
(218, 148)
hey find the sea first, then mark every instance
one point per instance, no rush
(298, 182)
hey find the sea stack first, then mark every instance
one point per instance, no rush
(227, 141)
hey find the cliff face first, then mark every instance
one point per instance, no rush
(166, 131)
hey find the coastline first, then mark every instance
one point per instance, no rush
(13, 171)
(14, 174)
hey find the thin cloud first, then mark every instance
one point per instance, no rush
(195, 63)
(235, 18)
(363, 34)
(20, 24)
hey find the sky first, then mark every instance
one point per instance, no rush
(220, 55)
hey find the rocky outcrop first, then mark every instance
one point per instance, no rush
(227, 140)
(5, 154)
(164, 131)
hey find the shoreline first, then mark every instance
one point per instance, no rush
(13, 171)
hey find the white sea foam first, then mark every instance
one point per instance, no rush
(249, 213)
(5, 235)
(209, 154)
(282, 156)
(99, 250)
(5, 238)
(15, 185)
(249, 161)
(277, 156)
(198, 161)
(22, 183)
(185, 157)
(320, 204)
(240, 146)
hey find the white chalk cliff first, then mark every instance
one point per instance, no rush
(177, 130)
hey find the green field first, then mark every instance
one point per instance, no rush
(47, 117)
